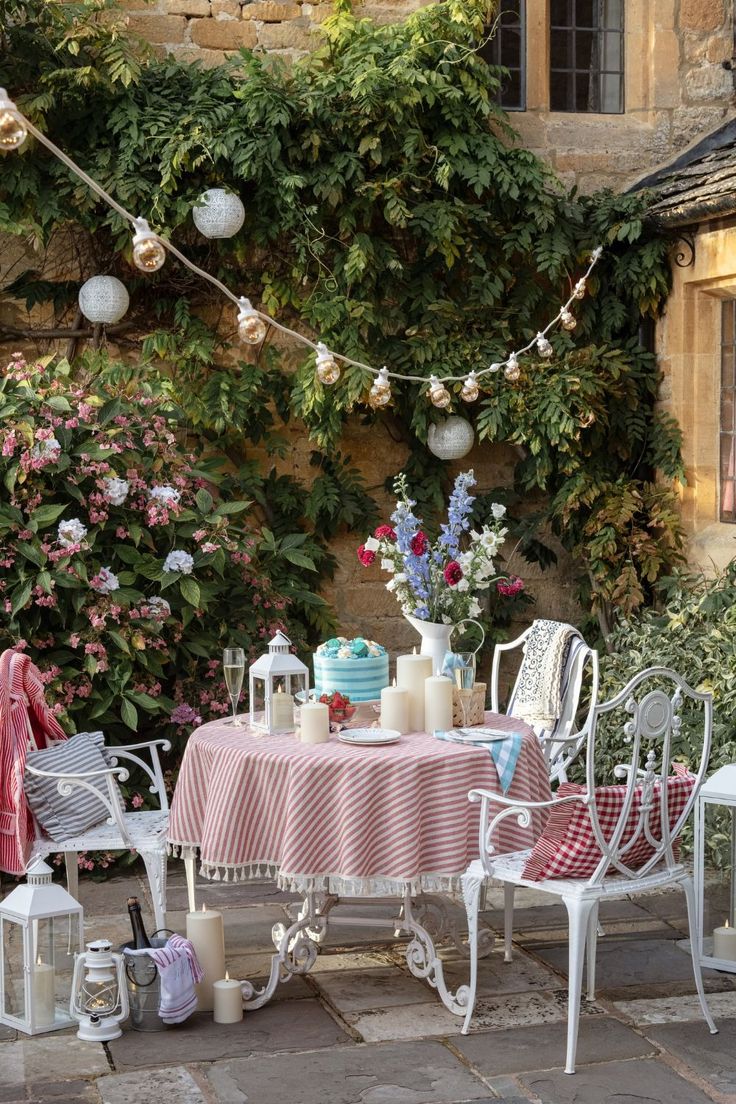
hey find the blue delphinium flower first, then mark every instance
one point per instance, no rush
(458, 515)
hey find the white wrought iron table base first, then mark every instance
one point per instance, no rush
(425, 921)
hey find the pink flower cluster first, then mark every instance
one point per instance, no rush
(511, 587)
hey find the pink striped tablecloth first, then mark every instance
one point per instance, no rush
(269, 805)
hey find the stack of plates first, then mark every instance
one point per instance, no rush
(369, 737)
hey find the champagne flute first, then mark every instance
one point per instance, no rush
(464, 674)
(233, 665)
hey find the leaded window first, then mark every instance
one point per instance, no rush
(587, 56)
(507, 47)
(728, 417)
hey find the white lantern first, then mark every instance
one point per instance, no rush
(715, 905)
(41, 929)
(451, 438)
(218, 214)
(99, 997)
(274, 681)
(103, 299)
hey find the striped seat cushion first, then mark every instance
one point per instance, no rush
(63, 817)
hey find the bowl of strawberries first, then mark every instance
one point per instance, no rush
(341, 711)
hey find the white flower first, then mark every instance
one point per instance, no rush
(372, 545)
(179, 561)
(489, 541)
(160, 606)
(388, 565)
(462, 585)
(399, 577)
(474, 608)
(46, 449)
(116, 490)
(498, 510)
(105, 581)
(391, 584)
(164, 493)
(71, 531)
(465, 559)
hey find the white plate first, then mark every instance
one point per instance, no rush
(369, 737)
(486, 735)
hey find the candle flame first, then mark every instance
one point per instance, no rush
(394, 683)
(414, 651)
(726, 924)
(227, 975)
(280, 690)
(204, 908)
(38, 961)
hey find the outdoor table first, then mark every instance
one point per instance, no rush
(334, 820)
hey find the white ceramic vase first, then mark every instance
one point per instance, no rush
(436, 638)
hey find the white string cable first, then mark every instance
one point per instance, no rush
(167, 245)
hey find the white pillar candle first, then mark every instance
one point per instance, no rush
(282, 711)
(395, 708)
(44, 985)
(724, 943)
(228, 1001)
(437, 704)
(411, 673)
(207, 934)
(315, 723)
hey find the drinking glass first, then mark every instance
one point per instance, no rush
(233, 665)
(464, 673)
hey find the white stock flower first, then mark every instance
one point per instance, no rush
(107, 581)
(179, 561)
(372, 545)
(164, 493)
(116, 490)
(71, 531)
(498, 510)
(388, 565)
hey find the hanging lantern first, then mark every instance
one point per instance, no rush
(327, 368)
(380, 392)
(512, 370)
(251, 327)
(13, 131)
(470, 389)
(579, 290)
(438, 393)
(99, 999)
(543, 346)
(275, 679)
(148, 252)
(103, 299)
(451, 438)
(218, 213)
(41, 928)
(568, 319)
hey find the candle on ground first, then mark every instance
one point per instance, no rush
(395, 708)
(411, 673)
(207, 934)
(44, 985)
(724, 943)
(437, 704)
(228, 1001)
(282, 711)
(315, 723)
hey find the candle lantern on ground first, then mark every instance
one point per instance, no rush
(41, 929)
(715, 898)
(99, 993)
(274, 681)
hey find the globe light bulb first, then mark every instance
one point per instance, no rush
(543, 347)
(470, 389)
(327, 369)
(380, 392)
(13, 132)
(438, 393)
(512, 370)
(494, 367)
(579, 291)
(148, 252)
(251, 327)
(568, 319)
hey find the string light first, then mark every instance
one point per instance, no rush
(543, 346)
(251, 327)
(380, 392)
(149, 254)
(327, 369)
(13, 132)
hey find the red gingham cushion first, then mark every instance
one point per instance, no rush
(567, 847)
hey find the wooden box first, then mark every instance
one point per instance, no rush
(476, 708)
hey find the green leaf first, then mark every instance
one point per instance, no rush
(226, 508)
(204, 500)
(300, 559)
(145, 701)
(190, 591)
(21, 597)
(43, 579)
(31, 552)
(44, 516)
(129, 714)
(118, 641)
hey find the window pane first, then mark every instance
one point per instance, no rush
(561, 92)
(585, 49)
(728, 477)
(561, 13)
(612, 45)
(584, 93)
(507, 47)
(727, 398)
(728, 411)
(611, 93)
(613, 14)
(586, 12)
(560, 46)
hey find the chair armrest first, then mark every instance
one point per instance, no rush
(510, 807)
(165, 745)
(70, 776)
(67, 783)
(153, 771)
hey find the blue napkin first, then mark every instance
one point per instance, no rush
(450, 662)
(504, 753)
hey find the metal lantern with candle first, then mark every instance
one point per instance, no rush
(99, 994)
(275, 679)
(715, 927)
(41, 929)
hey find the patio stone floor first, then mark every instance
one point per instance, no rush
(361, 1030)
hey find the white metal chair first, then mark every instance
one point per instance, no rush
(654, 721)
(144, 832)
(564, 742)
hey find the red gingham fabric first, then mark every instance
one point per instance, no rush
(568, 848)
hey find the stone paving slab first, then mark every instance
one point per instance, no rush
(643, 1081)
(359, 990)
(664, 1010)
(555, 915)
(51, 1058)
(285, 1025)
(712, 1057)
(173, 1085)
(63, 1092)
(330, 960)
(222, 895)
(543, 1046)
(410, 1073)
(622, 963)
(495, 976)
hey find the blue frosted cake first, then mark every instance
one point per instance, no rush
(357, 668)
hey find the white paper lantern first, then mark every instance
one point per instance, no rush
(451, 439)
(218, 214)
(103, 299)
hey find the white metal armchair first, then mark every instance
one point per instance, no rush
(144, 832)
(632, 848)
(563, 743)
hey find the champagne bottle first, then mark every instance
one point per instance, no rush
(140, 939)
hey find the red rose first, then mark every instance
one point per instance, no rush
(365, 556)
(419, 543)
(385, 532)
(453, 573)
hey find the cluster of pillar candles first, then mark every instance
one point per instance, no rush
(217, 992)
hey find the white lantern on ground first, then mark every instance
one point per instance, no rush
(41, 929)
(218, 214)
(275, 680)
(103, 299)
(99, 997)
(451, 438)
(715, 904)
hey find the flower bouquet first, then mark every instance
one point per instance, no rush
(439, 582)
